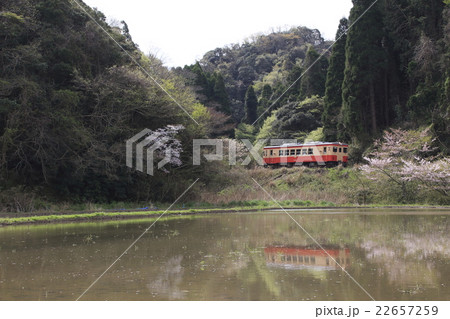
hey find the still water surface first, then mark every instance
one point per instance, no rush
(394, 255)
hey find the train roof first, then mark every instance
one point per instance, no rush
(287, 145)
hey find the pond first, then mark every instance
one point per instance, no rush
(389, 255)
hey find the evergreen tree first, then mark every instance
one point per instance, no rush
(201, 81)
(333, 86)
(264, 101)
(313, 81)
(266, 92)
(220, 94)
(294, 74)
(251, 105)
(363, 86)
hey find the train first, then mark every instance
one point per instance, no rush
(306, 257)
(312, 154)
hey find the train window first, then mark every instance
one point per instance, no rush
(294, 259)
(306, 259)
(313, 260)
(334, 149)
(271, 152)
(300, 259)
(304, 151)
(324, 149)
(310, 151)
(292, 152)
(299, 151)
(340, 150)
(281, 153)
(288, 258)
(345, 150)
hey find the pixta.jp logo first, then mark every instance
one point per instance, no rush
(158, 145)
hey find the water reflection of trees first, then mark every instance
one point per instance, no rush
(223, 257)
(168, 279)
(411, 260)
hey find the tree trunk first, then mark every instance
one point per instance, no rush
(386, 99)
(373, 111)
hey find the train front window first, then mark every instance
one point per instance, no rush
(271, 152)
(345, 150)
(340, 150)
(334, 149)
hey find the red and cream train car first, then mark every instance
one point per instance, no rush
(299, 257)
(311, 154)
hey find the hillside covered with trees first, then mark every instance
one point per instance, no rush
(69, 99)
(388, 67)
(71, 94)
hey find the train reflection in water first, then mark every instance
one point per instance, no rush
(304, 257)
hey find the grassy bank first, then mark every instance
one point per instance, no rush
(234, 188)
(45, 218)
(338, 186)
(103, 216)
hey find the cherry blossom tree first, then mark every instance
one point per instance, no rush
(166, 145)
(405, 157)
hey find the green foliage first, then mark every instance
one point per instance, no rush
(335, 77)
(245, 131)
(362, 88)
(267, 130)
(315, 136)
(70, 98)
(220, 93)
(210, 88)
(264, 101)
(251, 106)
(295, 120)
(313, 81)
(274, 59)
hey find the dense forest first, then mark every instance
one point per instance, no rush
(70, 97)
(71, 94)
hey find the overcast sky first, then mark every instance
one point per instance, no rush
(180, 32)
